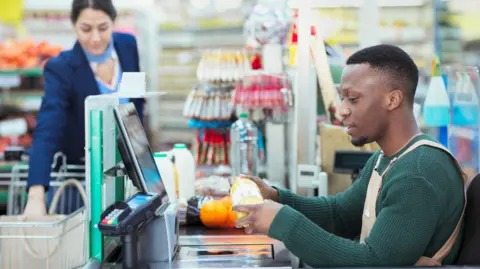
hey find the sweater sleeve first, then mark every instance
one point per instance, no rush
(340, 214)
(402, 231)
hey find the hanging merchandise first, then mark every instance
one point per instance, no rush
(260, 90)
(266, 25)
(213, 147)
(465, 102)
(256, 61)
(210, 104)
(222, 65)
(270, 93)
(436, 110)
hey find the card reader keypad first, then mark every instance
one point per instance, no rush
(112, 217)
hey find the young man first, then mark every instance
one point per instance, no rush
(409, 200)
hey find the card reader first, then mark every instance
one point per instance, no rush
(125, 219)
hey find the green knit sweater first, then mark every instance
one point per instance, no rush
(418, 207)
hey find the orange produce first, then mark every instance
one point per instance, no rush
(232, 216)
(25, 54)
(218, 214)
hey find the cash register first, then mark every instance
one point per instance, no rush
(146, 217)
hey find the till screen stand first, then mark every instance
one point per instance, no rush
(124, 219)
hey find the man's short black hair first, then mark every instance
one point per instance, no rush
(396, 65)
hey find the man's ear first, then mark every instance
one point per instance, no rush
(395, 99)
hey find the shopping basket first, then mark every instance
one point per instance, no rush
(69, 202)
(55, 241)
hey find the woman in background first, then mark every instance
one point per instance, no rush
(93, 66)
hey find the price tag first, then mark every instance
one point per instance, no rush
(9, 81)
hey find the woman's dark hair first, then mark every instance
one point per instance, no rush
(104, 5)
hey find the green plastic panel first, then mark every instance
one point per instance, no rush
(119, 181)
(96, 183)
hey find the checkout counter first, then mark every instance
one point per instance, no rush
(147, 226)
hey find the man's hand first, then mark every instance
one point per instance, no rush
(267, 191)
(259, 216)
(36, 202)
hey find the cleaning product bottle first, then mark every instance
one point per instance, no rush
(166, 169)
(185, 166)
(436, 109)
(465, 102)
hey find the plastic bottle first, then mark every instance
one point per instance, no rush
(185, 165)
(436, 110)
(167, 172)
(244, 147)
(245, 192)
(465, 102)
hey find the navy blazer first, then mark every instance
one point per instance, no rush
(69, 79)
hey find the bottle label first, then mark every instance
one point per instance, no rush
(244, 190)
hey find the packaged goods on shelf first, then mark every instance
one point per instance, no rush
(208, 102)
(213, 147)
(222, 65)
(262, 90)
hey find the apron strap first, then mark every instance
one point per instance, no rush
(445, 249)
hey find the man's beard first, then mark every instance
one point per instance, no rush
(359, 141)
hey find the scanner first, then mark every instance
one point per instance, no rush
(146, 214)
(350, 162)
(125, 219)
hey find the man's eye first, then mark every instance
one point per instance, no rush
(353, 99)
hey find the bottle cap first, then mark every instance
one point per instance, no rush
(160, 155)
(179, 146)
(243, 115)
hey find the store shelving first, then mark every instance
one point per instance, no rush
(181, 45)
(407, 24)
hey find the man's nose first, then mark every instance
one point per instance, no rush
(344, 111)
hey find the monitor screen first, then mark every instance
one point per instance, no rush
(136, 153)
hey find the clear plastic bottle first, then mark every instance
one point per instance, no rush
(244, 147)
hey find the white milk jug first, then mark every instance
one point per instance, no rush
(185, 165)
(167, 173)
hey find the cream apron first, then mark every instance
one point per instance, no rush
(369, 211)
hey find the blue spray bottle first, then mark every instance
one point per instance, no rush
(436, 108)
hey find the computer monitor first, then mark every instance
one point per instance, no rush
(136, 153)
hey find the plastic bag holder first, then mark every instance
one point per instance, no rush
(118, 170)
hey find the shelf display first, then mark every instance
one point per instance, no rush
(209, 103)
(222, 65)
(263, 91)
(16, 127)
(213, 147)
(408, 26)
(21, 55)
(266, 25)
(463, 129)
